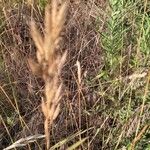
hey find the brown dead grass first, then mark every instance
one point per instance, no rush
(82, 43)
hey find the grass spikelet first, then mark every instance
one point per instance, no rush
(49, 63)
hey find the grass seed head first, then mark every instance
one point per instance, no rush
(49, 62)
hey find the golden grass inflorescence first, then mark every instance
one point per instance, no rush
(49, 63)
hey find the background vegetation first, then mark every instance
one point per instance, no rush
(110, 108)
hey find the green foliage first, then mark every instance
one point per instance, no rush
(144, 142)
(126, 49)
(112, 39)
(42, 4)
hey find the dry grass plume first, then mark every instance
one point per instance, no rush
(49, 63)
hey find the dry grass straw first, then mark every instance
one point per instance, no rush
(49, 63)
(24, 141)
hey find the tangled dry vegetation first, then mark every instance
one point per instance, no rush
(77, 37)
(60, 67)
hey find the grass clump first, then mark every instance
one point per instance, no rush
(100, 98)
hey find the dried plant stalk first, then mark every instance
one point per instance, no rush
(49, 64)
